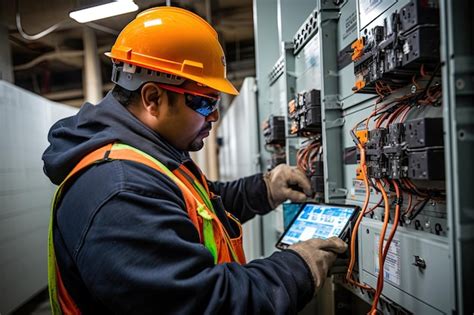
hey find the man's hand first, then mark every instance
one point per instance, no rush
(283, 183)
(319, 255)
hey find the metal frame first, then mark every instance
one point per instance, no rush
(458, 90)
(330, 105)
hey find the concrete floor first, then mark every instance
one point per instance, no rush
(42, 309)
(37, 305)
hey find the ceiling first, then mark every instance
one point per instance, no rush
(52, 65)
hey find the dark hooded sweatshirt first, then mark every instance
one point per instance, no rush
(124, 241)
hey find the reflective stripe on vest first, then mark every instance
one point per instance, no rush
(211, 232)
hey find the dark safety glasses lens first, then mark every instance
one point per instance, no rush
(203, 105)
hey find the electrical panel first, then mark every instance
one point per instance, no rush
(304, 116)
(366, 120)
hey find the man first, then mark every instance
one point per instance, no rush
(136, 227)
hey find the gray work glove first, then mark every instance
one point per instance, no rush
(279, 182)
(319, 255)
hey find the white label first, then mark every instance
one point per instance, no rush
(350, 24)
(392, 261)
(406, 48)
(311, 52)
(358, 187)
(370, 9)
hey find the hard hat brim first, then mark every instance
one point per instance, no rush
(220, 84)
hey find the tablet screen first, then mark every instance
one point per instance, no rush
(318, 221)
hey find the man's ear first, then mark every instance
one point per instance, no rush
(152, 98)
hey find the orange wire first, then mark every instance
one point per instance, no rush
(379, 287)
(358, 221)
(405, 114)
(381, 119)
(422, 70)
(395, 114)
(410, 200)
(375, 207)
(383, 253)
(413, 187)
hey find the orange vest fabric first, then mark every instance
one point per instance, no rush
(228, 249)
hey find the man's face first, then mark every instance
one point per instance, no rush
(182, 126)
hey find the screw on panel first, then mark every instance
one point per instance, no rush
(406, 219)
(460, 84)
(427, 224)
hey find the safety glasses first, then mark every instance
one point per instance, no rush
(201, 103)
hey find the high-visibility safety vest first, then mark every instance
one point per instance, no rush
(197, 197)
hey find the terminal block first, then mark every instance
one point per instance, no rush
(426, 165)
(317, 177)
(424, 132)
(304, 113)
(406, 150)
(362, 135)
(395, 51)
(394, 150)
(376, 160)
(419, 13)
(274, 130)
(419, 48)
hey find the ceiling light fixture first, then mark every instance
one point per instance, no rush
(103, 10)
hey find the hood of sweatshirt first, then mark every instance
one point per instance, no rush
(94, 126)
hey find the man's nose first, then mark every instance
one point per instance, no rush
(213, 117)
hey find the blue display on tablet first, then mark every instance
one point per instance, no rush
(318, 221)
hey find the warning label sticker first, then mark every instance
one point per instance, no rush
(358, 187)
(392, 262)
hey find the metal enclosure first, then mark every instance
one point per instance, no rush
(238, 153)
(457, 55)
(25, 192)
(275, 22)
(319, 57)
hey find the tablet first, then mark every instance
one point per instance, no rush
(318, 221)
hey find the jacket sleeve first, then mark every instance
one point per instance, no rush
(142, 255)
(244, 197)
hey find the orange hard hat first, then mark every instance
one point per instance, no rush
(174, 41)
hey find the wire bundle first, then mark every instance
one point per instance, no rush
(308, 155)
(394, 111)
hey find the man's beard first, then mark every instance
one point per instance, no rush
(198, 142)
(196, 145)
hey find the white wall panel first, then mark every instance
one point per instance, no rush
(238, 155)
(25, 192)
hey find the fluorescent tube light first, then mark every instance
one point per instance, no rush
(104, 11)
